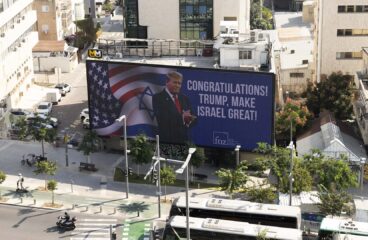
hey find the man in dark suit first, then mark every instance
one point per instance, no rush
(173, 111)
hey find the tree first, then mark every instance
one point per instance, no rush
(233, 179)
(88, 32)
(279, 160)
(38, 129)
(262, 234)
(45, 167)
(90, 143)
(262, 193)
(260, 17)
(167, 176)
(141, 150)
(51, 185)
(333, 93)
(293, 112)
(333, 202)
(2, 179)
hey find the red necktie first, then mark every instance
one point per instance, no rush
(177, 103)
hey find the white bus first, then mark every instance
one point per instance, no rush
(216, 229)
(332, 226)
(242, 211)
(349, 237)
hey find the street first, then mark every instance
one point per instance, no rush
(38, 224)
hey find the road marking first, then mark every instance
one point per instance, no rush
(98, 220)
(94, 224)
(8, 144)
(92, 229)
(84, 238)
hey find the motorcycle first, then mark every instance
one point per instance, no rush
(66, 224)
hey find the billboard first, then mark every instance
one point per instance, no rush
(209, 107)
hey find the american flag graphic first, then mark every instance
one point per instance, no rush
(123, 89)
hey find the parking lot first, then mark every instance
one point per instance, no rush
(67, 111)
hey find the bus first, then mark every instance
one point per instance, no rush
(217, 229)
(242, 211)
(349, 237)
(332, 226)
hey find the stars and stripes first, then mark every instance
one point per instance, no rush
(123, 89)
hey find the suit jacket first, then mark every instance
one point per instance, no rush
(171, 127)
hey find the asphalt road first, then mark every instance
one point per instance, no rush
(39, 224)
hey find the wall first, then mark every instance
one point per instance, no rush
(161, 17)
(294, 84)
(46, 64)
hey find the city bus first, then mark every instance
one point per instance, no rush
(242, 211)
(332, 226)
(217, 229)
(349, 237)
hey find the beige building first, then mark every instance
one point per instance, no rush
(185, 20)
(17, 38)
(341, 30)
(54, 19)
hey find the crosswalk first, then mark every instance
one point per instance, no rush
(93, 229)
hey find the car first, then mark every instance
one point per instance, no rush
(86, 123)
(75, 140)
(63, 88)
(84, 114)
(52, 121)
(20, 112)
(44, 108)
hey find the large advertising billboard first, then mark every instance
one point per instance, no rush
(208, 107)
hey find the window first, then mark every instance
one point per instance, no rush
(245, 54)
(359, 8)
(352, 32)
(341, 9)
(349, 55)
(296, 75)
(350, 8)
(45, 8)
(230, 18)
(196, 20)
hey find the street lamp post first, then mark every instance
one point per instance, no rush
(180, 171)
(362, 162)
(66, 140)
(123, 119)
(158, 175)
(237, 149)
(291, 147)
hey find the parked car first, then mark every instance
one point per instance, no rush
(75, 140)
(20, 112)
(53, 95)
(44, 119)
(44, 108)
(84, 114)
(86, 123)
(63, 88)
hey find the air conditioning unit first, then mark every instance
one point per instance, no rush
(18, 20)
(14, 49)
(254, 36)
(19, 44)
(23, 17)
(119, 55)
(24, 40)
(2, 35)
(12, 26)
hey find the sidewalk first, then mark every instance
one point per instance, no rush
(83, 191)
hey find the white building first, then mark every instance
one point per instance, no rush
(341, 31)
(174, 19)
(17, 38)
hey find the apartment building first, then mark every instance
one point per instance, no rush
(17, 38)
(183, 19)
(341, 30)
(54, 19)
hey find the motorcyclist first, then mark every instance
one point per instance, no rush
(66, 217)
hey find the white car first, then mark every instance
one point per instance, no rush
(84, 114)
(44, 119)
(63, 88)
(86, 123)
(44, 108)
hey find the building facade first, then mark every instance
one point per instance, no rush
(181, 19)
(17, 38)
(341, 28)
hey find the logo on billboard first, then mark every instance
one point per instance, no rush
(222, 138)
